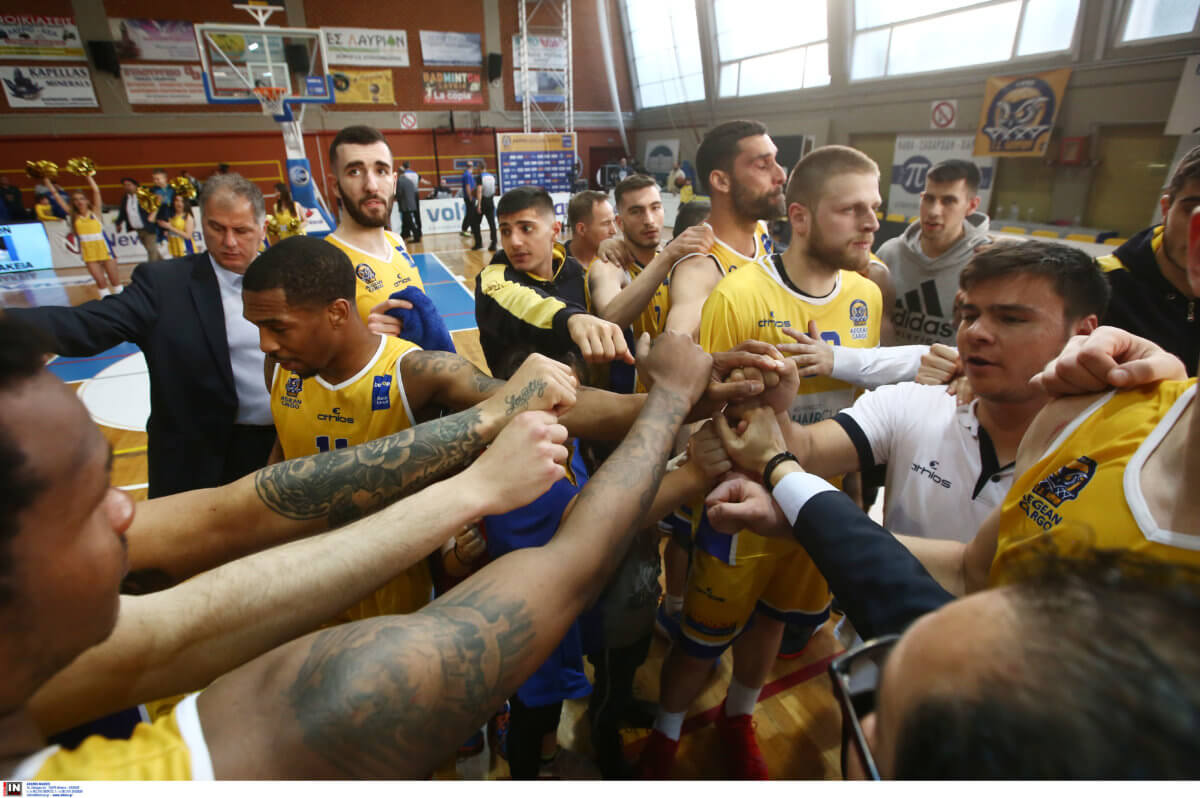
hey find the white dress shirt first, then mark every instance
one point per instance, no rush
(132, 212)
(254, 403)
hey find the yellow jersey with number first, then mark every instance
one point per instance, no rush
(758, 302)
(378, 278)
(312, 416)
(1086, 492)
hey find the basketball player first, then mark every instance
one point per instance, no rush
(737, 169)
(299, 711)
(365, 182)
(832, 196)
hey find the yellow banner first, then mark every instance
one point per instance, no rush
(372, 86)
(1019, 113)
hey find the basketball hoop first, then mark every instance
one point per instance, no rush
(271, 98)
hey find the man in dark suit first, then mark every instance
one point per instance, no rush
(210, 417)
(131, 217)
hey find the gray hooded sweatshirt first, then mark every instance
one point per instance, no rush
(925, 287)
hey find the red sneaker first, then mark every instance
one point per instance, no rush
(658, 757)
(742, 754)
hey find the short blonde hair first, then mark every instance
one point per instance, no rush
(806, 185)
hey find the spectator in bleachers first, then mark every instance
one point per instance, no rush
(1148, 273)
(10, 200)
(672, 187)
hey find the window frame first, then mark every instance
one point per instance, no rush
(1122, 19)
(631, 59)
(1070, 53)
(719, 64)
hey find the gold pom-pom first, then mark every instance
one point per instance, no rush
(148, 200)
(295, 225)
(39, 169)
(184, 188)
(274, 228)
(84, 166)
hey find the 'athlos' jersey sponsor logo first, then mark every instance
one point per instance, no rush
(771, 321)
(1049, 494)
(335, 415)
(920, 312)
(930, 472)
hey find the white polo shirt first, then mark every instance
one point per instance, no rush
(943, 476)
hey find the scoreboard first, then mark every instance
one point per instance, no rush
(538, 159)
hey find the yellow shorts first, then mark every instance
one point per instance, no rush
(721, 598)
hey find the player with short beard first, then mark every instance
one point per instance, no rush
(365, 182)
(832, 197)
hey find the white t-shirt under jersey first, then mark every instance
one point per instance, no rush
(943, 477)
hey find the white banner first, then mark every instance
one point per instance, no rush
(446, 215)
(33, 37)
(127, 247)
(163, 84)
(155, 39)
(447, 48)
(545, 52)
(661, 157)
(366, 47)
(48, 87)
(916, 154)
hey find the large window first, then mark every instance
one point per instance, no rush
(894, 38)
(1152, 19)
(666, 52)
(771, 45)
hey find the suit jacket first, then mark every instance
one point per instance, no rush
(172, 311)
(123, 217)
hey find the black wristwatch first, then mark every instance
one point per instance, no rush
(773, 463)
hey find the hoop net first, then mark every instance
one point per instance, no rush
(271, 98)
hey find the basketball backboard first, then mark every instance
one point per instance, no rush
(236, 59)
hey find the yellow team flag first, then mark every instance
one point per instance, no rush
(1019, 112)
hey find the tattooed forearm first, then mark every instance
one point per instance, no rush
(346, 484)
(520, 401)
(390, 697)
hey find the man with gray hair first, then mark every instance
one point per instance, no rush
(210, 418)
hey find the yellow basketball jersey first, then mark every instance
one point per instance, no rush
(757, 302)
(156, 751)
(313, 416)
(1086, 491)
(379, 278)
(728, 258)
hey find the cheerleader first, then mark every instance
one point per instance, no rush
(84, 217)
(180, 228)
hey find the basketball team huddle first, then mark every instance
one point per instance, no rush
(419, 542)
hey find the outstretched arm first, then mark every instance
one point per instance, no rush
(691, 283)
(175, 537)
(391, 697)
(180, 640)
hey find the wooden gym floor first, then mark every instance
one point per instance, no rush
(798, 721)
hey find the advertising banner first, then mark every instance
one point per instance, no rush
(48, 87)
(1019, 112)
(163, 84)
(446, 48)
(363, 86)
(915, 155)
(547, 67)
(366, 47)
(445, 215)
(155, 39)
(661, 155)
(32, 37)
(539, 159)
(452, 88)
(126, 246)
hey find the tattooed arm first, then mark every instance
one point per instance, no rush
(392, 697)
(179, 640)
(175, 537)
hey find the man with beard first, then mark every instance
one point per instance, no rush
(1151, 294)
(737, 168)
(832, 197)
(366, 184)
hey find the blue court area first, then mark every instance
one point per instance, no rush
(453, 300)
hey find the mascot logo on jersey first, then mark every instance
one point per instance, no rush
(1066, 483)
(367, 275)
(858, 320)
(293, 385)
